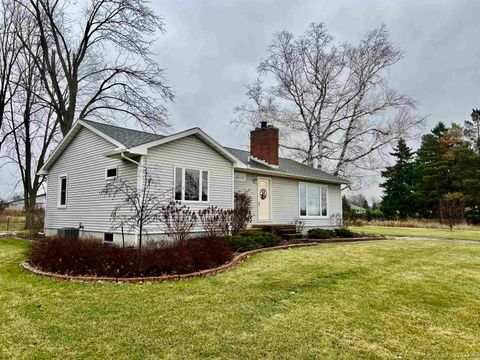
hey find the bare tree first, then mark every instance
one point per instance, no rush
(452, 209)
(9, 50)
(101, 65)
(29, 120)
(332, 100)
(138, 206)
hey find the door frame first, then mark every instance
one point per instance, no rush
(269, 199)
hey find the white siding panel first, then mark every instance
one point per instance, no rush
(84, 162)
(193, 153)
(285, 200)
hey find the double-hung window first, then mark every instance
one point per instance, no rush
(313, 200)
(191, 185)
(62, 191)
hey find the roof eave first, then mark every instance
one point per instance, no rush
(292, 176)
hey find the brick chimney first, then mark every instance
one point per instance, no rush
(264, 143)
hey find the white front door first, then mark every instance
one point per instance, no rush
(264, 194)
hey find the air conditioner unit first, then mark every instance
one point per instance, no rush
(68, 233)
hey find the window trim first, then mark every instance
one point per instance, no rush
(111, 168)
(306, 199)
(199, 201)
(59, 199)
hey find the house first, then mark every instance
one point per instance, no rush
(18, 204)
(357, 209)
(199, 171)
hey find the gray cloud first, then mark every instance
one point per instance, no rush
(212, 48)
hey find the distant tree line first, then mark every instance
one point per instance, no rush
(441, 180)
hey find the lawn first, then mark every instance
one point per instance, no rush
(419, 232)
(420, 299)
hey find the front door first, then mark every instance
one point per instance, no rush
(264, 194)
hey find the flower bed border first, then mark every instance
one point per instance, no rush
(199, 274)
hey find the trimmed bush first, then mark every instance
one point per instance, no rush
(93, 258)
(344, 233)
(321, 233)
(252, 240)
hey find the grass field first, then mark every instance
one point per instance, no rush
(420, 299)
(419, 232)
(12, 223)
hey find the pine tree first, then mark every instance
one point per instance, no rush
(435, 161)
(466, 170)
(399, 196)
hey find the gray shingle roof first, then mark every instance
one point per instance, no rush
(131, 138)
(127, 137)
(288, 167)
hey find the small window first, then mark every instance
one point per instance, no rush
(108, 237)
(240, 176)
(111, 173)
(62, 190)
(191, 185)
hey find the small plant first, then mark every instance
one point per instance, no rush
(344, 233)
(252, 240)
(242, 212)
(179, 220)
(336, 220)
(321, 233)
(299, 225)
(215, 221)
(452, 209)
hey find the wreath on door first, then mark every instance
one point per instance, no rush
(263, 194)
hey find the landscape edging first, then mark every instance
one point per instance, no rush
(203, 273)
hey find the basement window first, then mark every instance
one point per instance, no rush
(108, 237)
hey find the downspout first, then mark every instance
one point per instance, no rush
(139, 180)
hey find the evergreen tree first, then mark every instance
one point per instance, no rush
(399, 196)
(466, 170)
(435, 160)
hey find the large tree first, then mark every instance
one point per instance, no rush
(332, 101)
(99, 66)
(399, 194)
(30, 120)
(434, 163)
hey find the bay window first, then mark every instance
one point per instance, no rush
(191, 185)
(313, 200)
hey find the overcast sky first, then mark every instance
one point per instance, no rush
(212, 48)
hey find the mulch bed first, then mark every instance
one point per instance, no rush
(239, 258)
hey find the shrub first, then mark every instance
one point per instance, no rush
(215, 221)
(321, 233)
(252, 240)
(93, 258)
(344, 233)
(242, 213)
(179, 220)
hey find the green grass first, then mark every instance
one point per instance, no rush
(419, 232)
(370, 300)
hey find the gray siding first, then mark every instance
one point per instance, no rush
(285, 200)
(84, 163)
(192, 152)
